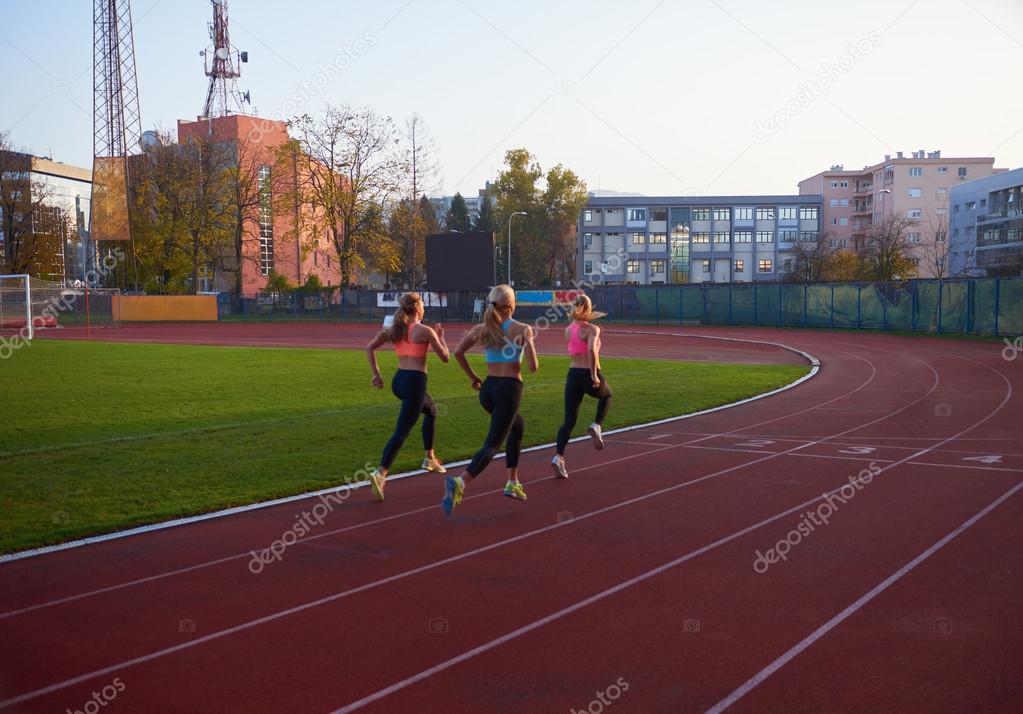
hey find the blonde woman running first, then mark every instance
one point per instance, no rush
(412, 340)
(506, 341)
(584, 378)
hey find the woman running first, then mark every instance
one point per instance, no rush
(584, 377)
(505, 341)
(411, 341)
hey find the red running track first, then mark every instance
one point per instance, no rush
(631, 587)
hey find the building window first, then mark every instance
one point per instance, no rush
(587, 216)
(834, 221)
(743, 237)
(787, 235)
(834, 184)
(701, 214)
(843, 221)
(765, 214)
(638, 238)
(962, 172)
(657, 267)
(983, 203)
(701, 237)
(722, 237)
(940, 211)
(844, 203)
(266, 222)
(787, 213)
(971, 205)
(916, 171)
(588, 267)
(740, 265)
(942, 169)
(613, 211)
(632, 266)
(942, 193)
(658, 238)
(767, 236)
(744, 214)
(808, 236)
(915, 213)
(658, 214)
(722, 214)
(834, 203)
(765, 265)
(915, 192)
(587, 240)
(808, 213)
(913, 238)
(843, 184)
(706, 266)
(637, 214)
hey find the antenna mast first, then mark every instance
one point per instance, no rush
(223, 66)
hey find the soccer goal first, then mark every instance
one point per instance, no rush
(28, 304)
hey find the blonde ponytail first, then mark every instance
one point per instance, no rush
(500, 298)
(582, 309)
(404, 316)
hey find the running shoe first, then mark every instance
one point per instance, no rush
(513, 489)
(558, 462)
(454, 487)
(376, 482)
(596, 435)
(433, 466)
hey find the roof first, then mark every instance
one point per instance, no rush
(647, 201)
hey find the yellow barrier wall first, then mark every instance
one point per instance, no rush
(165, 308)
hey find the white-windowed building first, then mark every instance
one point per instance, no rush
(675, 240)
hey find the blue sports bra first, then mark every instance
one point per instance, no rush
(509, 352)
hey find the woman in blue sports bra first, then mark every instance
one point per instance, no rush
(506, 341)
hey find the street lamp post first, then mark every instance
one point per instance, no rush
(517, 213)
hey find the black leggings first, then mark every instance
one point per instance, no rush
(409, 386)
(577, 386)
(501, 397)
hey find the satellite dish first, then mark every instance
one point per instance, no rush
(223, 53)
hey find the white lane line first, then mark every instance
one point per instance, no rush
(831, 624)
(814, 369)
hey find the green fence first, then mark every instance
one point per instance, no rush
(984, 306)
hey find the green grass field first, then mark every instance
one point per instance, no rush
(101, 436)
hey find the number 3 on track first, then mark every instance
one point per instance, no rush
(989, 459)
(858, 450)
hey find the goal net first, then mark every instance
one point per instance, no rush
(29, 304)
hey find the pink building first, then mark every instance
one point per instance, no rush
(269, 242)
(916, 187)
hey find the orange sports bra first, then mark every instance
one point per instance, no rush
(408, 348)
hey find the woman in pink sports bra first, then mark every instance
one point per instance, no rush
(412, 340)
(584, 378)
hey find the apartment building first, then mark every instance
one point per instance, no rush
(986, 227)
(674, 239)
(916, 186)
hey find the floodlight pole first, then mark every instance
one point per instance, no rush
(517, 213)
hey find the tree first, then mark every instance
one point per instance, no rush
(21, 199)
(457, 218)
(543, 241)
(887, 251)
(485, 222)
(936, 249)
(381, 252)
(349, 162)
(811, 260)
(844, 266)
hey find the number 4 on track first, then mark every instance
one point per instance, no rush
(988, 459)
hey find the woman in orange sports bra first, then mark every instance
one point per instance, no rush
(412, 340)
(584, 378)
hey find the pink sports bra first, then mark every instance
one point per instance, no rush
(408, 348)
(576, 346)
